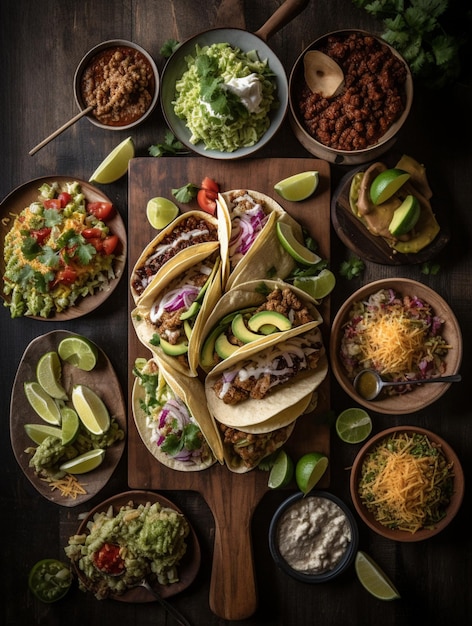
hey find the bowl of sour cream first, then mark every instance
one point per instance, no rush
(314, 537)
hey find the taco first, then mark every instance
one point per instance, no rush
(259, 311)
(248, 237)
(172, 418)
(189, 229)
(169, 318)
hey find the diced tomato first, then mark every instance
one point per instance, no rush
(66, 276)
(64, 198)
(101, 210)
(52, 203)
(96, 242)
(92, 233)
(210, 185)
(109, 244)
(205, 203)
(41, 234)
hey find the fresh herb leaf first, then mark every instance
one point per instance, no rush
(169, 47)
(222, 101)
(84, 253)
(49, 257)
(170, 145)
(186, 193)
(352, 268)
(30, 248)
(52, 218)
(430, 268)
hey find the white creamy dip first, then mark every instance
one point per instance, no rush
(313, 534)
(248, 89)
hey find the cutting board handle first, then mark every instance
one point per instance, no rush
(284, 14)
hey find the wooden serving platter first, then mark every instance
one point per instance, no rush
(231, 497)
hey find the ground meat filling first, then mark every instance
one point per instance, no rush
(252, 448)
(188, 232)
(286, 302)
(373, 97)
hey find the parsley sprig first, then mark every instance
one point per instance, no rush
(222, 101)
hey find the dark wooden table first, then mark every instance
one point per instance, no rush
(41, 44)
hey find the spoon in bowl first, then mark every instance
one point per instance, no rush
(369, 384)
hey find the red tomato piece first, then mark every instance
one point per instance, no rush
(109, 244)
(52, 203)
(205, 203)
(41, 234)
(92, 233)
(64, 198)
(210, 185)
(66, 276)
(101, 210)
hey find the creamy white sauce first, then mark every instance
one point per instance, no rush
(313, 535)
(248, 89)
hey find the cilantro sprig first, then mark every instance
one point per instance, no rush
(222, 101)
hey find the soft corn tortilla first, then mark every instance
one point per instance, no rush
(266, 257)
(192, 393)
(174, 274)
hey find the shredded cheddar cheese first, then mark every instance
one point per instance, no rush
(69, 486)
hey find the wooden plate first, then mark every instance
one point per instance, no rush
(22, 196)
(189, 565)
(357, 238)
(101, 379)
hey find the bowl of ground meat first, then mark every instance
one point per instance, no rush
(120, 81)
(362, 119)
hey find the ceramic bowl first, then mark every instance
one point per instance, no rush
(421, 395)
(88, 59)
(343, 157)
(404, 535)
(290, 506)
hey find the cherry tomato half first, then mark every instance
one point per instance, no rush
(101, 210)
(52, 203)
(210, 185)
(109, 244)
(205, 203)
(64, 198)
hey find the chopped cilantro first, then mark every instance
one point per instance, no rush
(169, 47)
(170, 145)
(352, 268)
(186, 193)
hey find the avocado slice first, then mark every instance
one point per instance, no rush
(191, 311)
(257, 321)
(223, 347)
(207, 352)
(241, 331)
(227, 319)
(174, 349)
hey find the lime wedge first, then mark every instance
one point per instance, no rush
(353, 425)
(160, 212)
(298, 187)
(405, 217)
(84, 462)
(386, 184)
(295, 248)
(39, 432)
(91, 409)
(42, 403)
(309, 470)
(115, 165)
(78, 351)
(374, 579)
(70, 425)
(318, 286)
(281, 472)
(48, 373)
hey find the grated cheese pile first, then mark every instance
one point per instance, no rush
(69, 486)
(406, 483)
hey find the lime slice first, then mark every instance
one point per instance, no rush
(42, 403)
(405, 217)
(353, 425)
(282, 471)
(386, 184)
(297, 250)
(84, 462)
(78, 351)
(39, 432)
(374, 579)
(318, 286)
(70, 425)
(50, 580)
(48, 373)
(91, 409)
(309, 470)
(160, 212)
(298, 187)
(115, 165)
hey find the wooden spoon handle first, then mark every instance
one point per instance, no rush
(57, 132)
(284, 14)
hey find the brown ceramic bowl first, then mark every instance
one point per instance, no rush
(131, 50)
(421, 395)
(400, 535)
(331, 154)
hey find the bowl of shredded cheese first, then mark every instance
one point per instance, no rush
(407, 483)
(403, 330)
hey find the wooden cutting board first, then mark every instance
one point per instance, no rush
(231, 497)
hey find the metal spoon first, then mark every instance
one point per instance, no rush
(369, 384)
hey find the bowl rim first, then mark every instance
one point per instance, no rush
(346, 560)
(420, 398)
(370, 152)
(400, 535)
(104, 45)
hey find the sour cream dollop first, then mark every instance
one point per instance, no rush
(248, 89)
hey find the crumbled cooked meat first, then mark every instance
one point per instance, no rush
(251, 447)
(286, 302)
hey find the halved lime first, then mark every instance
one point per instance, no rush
(281, 472)
(309, 470)
(115, 165)
(78, 351)
(405, 217)
(353, 425)
(387, 183)
(50, 580)
(48, 373)
(160, 212)
(84, 462)
(295, 248)
(42, 403)
(39, 432)
(70, 425)
(374, 579)
(91, 409)
(318, 286)
(299, 186)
